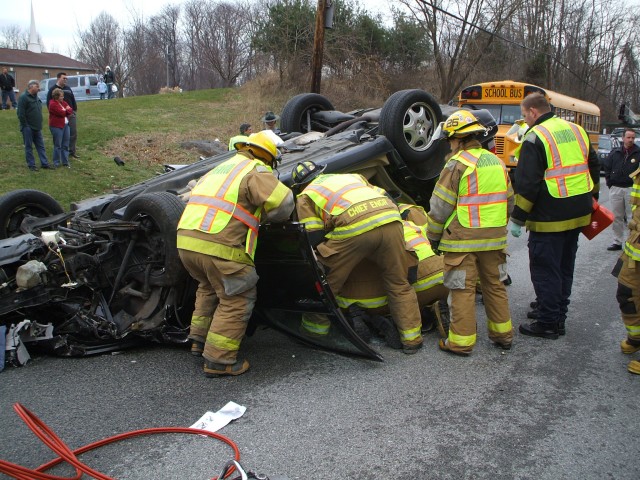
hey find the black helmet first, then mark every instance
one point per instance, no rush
(305, 172)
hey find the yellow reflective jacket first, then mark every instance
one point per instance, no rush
(567, 147)
(214, 202)
(345, 205)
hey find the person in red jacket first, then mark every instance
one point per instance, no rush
(59, 113)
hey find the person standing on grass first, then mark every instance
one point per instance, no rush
(30, 117)
(109, 79)
(7, 83)
(59, 113)
(70, 98)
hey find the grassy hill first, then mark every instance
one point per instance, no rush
(144, 131)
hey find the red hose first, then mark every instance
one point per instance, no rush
(65, 454)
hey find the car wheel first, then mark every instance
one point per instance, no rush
(297, 112)
(16, 205)
(158, 214)
(408, 119)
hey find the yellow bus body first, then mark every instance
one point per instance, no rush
(502, 99)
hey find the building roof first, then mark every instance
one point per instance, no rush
(25, 58)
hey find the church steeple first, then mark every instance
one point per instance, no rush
(34, 44)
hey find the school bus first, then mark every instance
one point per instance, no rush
(503, 99)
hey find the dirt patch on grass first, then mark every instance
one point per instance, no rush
(149, 149)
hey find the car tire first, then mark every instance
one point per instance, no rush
(159, 214)
(408, 119)
(15, 205)
(297, 111)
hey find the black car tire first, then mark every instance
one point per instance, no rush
(15, 205)
(297, 109)
(408, 119)
(160, 213)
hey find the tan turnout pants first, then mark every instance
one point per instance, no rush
(385, 246)
(225, 299)
(628, 296)
(461, 273)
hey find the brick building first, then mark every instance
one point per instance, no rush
(34, 64)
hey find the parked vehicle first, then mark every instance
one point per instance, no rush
(606, 143)
(84, 87)
(108, 271)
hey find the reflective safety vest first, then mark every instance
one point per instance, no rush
(482, 193)
(335, 194)
(567, 147)
(237, 139)
(214, 201)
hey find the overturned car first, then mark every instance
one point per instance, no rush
(107, 273)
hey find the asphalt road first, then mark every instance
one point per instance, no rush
(547, 409)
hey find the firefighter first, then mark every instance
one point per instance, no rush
(348, 220)
(470, 207)
(628, 272)
(363, 289)
(557, 179)
(217, 239)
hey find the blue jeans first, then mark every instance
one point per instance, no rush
(110, 93)
(12, 97)
(60, 145)
(31, 138)
(552, 258)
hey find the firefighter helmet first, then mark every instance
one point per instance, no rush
(463, 123)
(261, 146)
(306, 171)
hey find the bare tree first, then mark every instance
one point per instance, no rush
(164, 29)
(454, 28)
(12, 36)
(101, 44)
(223, 40)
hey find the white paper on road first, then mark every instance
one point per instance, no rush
(212, 422)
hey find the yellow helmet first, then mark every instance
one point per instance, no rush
(261, 146)
(461, 124)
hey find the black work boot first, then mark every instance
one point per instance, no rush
(534, 314)
(443, 316)
(539, 329)
(213, 369)
(387, 329)
(561, 329)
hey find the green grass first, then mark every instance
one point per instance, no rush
(144, 131)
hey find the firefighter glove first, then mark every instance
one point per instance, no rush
(434, 246)
(515, 229)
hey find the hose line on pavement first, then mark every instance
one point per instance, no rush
(65, 454)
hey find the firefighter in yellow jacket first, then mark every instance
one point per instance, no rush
(217, 239)
(468, 216)
(628, 272)
(350, 220)
(363, 289)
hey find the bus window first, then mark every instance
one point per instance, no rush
(502, 99)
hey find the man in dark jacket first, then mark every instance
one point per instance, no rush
(30, 117)
(558, 176)
(7, 82)
(109, 79)
(621, 162)
(70, 98)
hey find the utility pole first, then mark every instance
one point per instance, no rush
(167, 65)
(318, 46)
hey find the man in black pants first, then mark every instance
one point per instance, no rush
(558, 176)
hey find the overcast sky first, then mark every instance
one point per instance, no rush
(58, 22)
